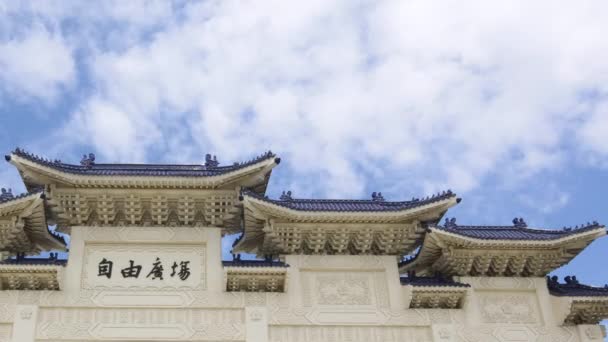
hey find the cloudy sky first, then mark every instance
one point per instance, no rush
(504, 103)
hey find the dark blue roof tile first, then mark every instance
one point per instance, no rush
(7, 195)
(20, 260)
(518, 231)
(337, 205)
(253, 263)
(431, 281)
(89, 167)
(572, 288)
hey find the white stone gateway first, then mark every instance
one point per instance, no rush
(145, 263)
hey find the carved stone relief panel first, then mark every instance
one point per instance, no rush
(343, 289)
(516, 333)
(509, 307)
(342, 261)
(505, 283)
(351, 334)
(124, 266)
(140, 324)
(361, 289)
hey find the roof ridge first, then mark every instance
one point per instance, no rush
(450, 224)
(434, 197)
(88, 166)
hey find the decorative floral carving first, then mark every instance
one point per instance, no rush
(506, 308)
(256, 315)
(337, 290)
(26, 314)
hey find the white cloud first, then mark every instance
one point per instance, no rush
(594, 132)
(37, 64)
(410, 95)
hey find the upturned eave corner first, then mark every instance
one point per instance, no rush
(23, 220)
(282, 226)
(453, 253)
(37, 171)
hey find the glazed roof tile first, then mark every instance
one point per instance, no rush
(431, 281)
(51, 260)
(253, 263)
(89, 167)
(344, 205)
(518, 231)
(572, 288)
(7, 195)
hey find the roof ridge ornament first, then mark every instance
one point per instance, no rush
(519, 223)
(7, 194)
(377, 197)
(211, 162)
(88, 161)
(450, 223)
(286, 196)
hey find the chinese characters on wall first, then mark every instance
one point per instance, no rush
(179, 270)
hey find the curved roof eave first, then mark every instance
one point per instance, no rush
(174, 178)
(270, 208)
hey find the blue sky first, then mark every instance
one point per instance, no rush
(506, 104)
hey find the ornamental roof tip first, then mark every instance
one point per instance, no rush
(348, 205)
(89, 166)
(377, 196)
(573, 288)
(211, 162)
(6, 195)
(88, 161)
(286, 196)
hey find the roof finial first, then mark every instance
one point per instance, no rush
(286, 196)
(211, 162)
(7, 194)
(88, 161)
(377, 196)
(450, 223)
(571, 280)
(519, 223)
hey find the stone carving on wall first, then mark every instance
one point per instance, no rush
(508, 308)
(285, 315)
(7, 313)
(92, 298)
(593, 333)
(351, 334)
(346, 261)
(502, 283)
(5, 332)
(516, 333)
(130, 233)
(343, 290)
(95, 323)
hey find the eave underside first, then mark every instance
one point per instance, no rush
(254, 177)
(450, 254)
(30, 277)
(255, 279)
(591, 310)
(24, 229)
(143, 207)
(270, 229)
